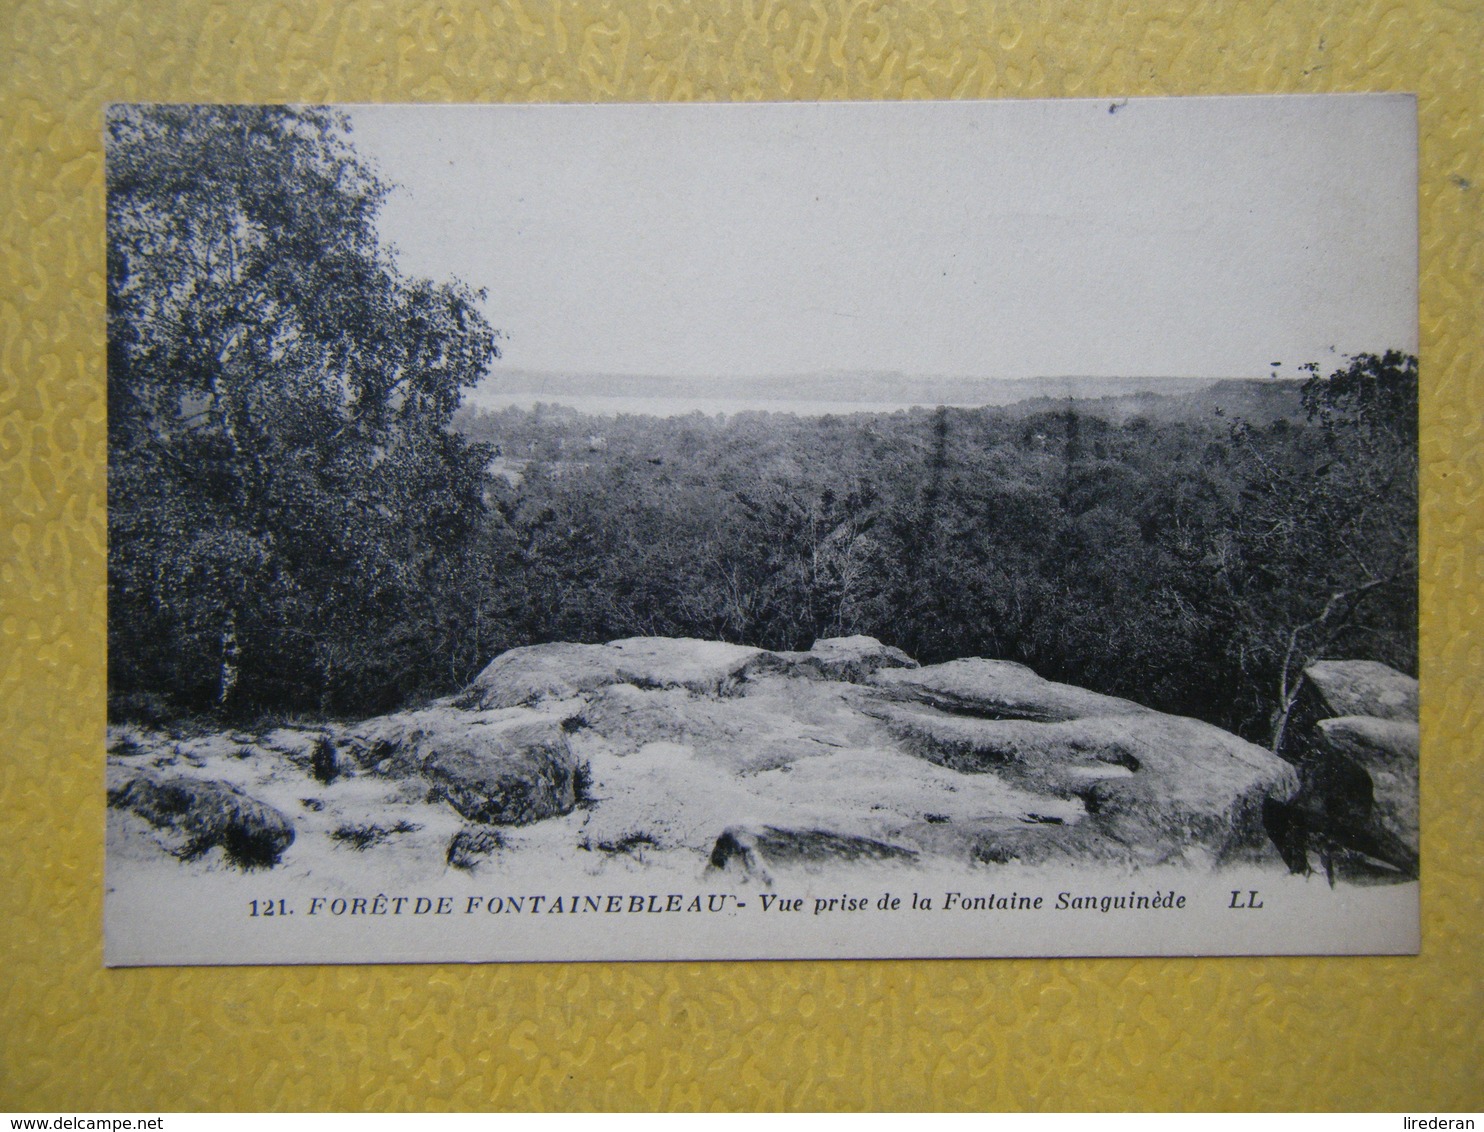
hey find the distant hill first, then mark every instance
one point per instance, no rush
(1257, 401)
(891, 388)
(1260, 400)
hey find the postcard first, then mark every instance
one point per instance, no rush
(854, 530)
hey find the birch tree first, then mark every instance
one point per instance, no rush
(282, 483)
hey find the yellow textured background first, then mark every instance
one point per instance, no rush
(1286, 1033)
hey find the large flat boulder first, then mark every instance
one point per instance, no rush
(998, 689)
(1165, 786)
(851, 659)
(1364, 687)
(703, 667)
(536, 672)
(778, 722)
(533, 673)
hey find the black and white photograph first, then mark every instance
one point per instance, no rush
(767, 531)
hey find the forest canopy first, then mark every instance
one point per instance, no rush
(1192, 553)
(302, 517)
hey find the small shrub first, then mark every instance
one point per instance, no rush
(324, 763)
(582, 784)
(139, 707)
(193, 727)
(128, 745)
(473, 844)
(362, 837)
(632, 844)
(247, 847)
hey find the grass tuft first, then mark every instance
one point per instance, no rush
(473, 844)
(362, 837)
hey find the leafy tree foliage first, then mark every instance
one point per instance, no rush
(286, 504)
(1327, 534)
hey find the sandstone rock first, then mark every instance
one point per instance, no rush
(999, 689)
(1084, 775)
(858, 656)
(535, 672)
(704, 667)
(1353, 736)
(514, 777)
(1164, 785)
(778, 722)
(1364, 687)
(851, 659)
(754, 852)
(1387, 752)
(558, 671)
(498, 767)
(1058, 753)
(1389, 744)
(206, 814)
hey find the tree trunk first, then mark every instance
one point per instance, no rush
(1285, 709)
(231, 653)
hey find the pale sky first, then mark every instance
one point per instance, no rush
(1180, 237)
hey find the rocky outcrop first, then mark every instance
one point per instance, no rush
(1052, 770)
(1356, 748)
(1000, 689)
(560, 671)
(497, 767)
(853, 659)
(199, 815)
(1364, 687)
(1163, 786)
(753, 763)
(755, 853)
(536, 672)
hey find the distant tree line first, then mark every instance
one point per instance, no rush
(301, 518)
(1195, 565)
